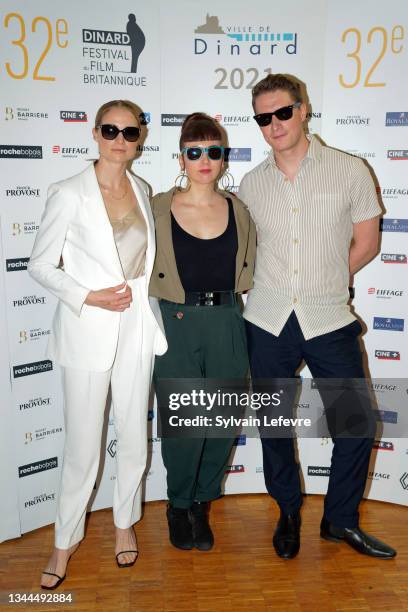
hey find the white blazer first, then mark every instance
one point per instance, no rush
(75, 225)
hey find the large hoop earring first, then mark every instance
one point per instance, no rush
(226, 181)
(182, 181)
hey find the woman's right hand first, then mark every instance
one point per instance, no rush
(112, 298)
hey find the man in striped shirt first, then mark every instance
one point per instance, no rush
(317, 218)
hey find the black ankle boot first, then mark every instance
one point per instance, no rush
(180, 531)
(203, 537)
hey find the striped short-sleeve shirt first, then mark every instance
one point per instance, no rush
(304, 233)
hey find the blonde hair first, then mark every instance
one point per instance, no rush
(126, 104)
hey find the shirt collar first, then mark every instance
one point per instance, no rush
(314, 152)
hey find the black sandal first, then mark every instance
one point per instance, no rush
(54, 586)
(131, 562)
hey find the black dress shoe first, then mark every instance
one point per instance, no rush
(180, 531)
(357, 538)
(203, 537)
(286, 539)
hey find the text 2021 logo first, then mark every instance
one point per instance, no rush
(42, 27)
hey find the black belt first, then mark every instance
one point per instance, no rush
(209, 298)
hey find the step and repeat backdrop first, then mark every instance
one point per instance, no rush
(60, 61)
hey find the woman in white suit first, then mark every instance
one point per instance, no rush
(95, 250)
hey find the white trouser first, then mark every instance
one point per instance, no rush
(85, 396)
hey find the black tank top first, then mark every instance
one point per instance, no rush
(206, 265)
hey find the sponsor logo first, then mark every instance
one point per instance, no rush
(112, 58)
(362, 154)
(153, 440)
(26, 228)
(382, 388)
(397, 154)
(393, 192)
(172, 119)
(20, 152)
(237, 154)
(16, 265)
(396, 119)
(383, 445)
(150, 415)
(145, 118)
(303, 405)
(378, 475)
(353, 120)
(391, 355)
(41, 434)
(259, 469)
(23, 191)
(385, 293)
(39, 499)
(394, 225)
(71, 152)
(73, 116)
(36, 367)
(388, 324)
(231, 120)
(35, 403)
(23, 114)
(250, 39)
(37, 467)
(32, 334)
(29, 300)
(240, 440)
(324, 441)
(111, 448)
(394, 258)
(318, 470)
(312, 115)
(387, 416)
(235, 469)
(404, 481)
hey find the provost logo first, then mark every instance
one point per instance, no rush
(71, 152)
(397, 154)
(396, 119)
(388, 355)
(39, 499)
(394, 258)
(353, 120)
(23, 114)
(113, 57)
(383, 445)
(393, 225)
(386, 294)
(237, 39)
(388, 324)
(23, 191)
(29, 300)
(73, 116)
(35, 403)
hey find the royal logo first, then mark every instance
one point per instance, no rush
(388, 324)
(396, 119)
(387, 416)
(393, 225)
(240, 440)
(237, 154)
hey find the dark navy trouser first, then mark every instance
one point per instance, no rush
(334, 355)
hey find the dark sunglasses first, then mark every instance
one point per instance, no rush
(283, 114)
(110, 132)
(215, 152)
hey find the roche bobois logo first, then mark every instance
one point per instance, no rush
(234, 39)
(113, 56)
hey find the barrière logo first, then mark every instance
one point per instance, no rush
(27, 228)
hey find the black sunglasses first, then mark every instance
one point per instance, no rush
(110, 132)
(283, 114)
(214, 152)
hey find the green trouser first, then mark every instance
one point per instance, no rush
(204, 342)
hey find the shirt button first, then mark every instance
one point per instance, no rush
(295, 210)
(295, 241)
(294, 300)
(161, 275)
